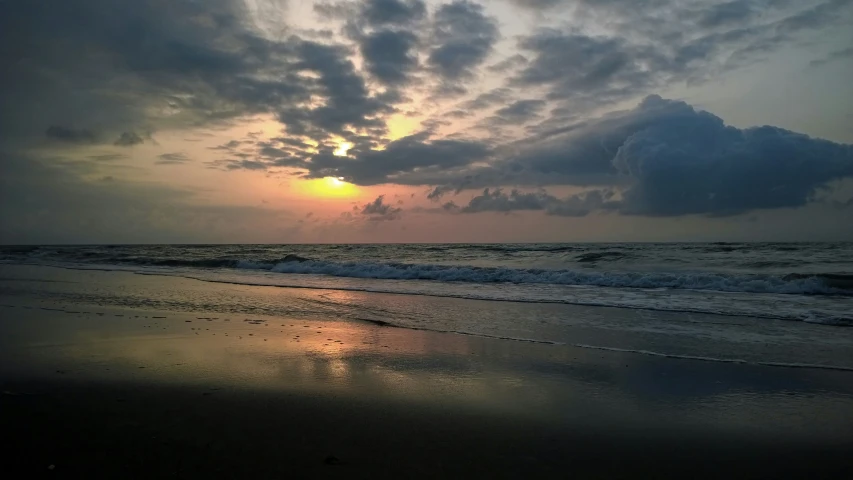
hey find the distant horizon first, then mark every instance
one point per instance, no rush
(420, 243)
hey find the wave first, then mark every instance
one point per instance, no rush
(791, 283)
(596, 256)
(803, 284)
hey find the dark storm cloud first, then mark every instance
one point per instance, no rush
(406, 154)
(373, 13)
(390, 55)
(690, 162)
(348, 103)
(386, 33)
(379, 210)
(464, 36)
(112, 70)
(668, 159)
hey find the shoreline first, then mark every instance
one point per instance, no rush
(110, 390)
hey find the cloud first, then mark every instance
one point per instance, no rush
(582, 67)
(108, 157)
(516, 113)
(464, 37)
(488, 99)
(834, 56)
(392, 12)
(348, 103)
(498, 201)
(511, 63)
(176, 158)
(640, 47)
(64, 134)
(378, 210)
(128, 139)
(390, 55)
(726, 13)
(664, 158)
(178, 63)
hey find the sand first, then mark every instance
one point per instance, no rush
(94, 391)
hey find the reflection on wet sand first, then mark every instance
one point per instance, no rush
(557, 384)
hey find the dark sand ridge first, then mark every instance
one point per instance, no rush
(130, 393)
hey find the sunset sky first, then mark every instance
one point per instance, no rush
(272, 121)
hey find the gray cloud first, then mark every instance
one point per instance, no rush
(727, 13)
(379, 210)
(108, 157)
(511, 63)
(176, 158)
(516, 113)
(112, 70)
(348, 103)
(835, 56)
(581, 67)
(400, 156)
(397, 12)
(64, 134)
(668, 159)
(464, 37)
(390, 55)
(656, 43)
(498, 201)
(128, 139)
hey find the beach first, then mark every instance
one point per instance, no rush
(97, 388)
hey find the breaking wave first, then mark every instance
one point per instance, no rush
(822, 284)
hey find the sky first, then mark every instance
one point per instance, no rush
(299, 121)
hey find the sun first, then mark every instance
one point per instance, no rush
(329, 187)
(335, 182)
(343, 147)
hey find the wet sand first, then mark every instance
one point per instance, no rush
(107, 392)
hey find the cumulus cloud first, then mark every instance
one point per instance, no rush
(666, 158)
(379, 210)
(390, 55)
(464, 37)
(497, 200)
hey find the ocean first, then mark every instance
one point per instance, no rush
(761, 303)
(809, 282)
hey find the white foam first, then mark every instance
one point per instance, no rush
(675, 280)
